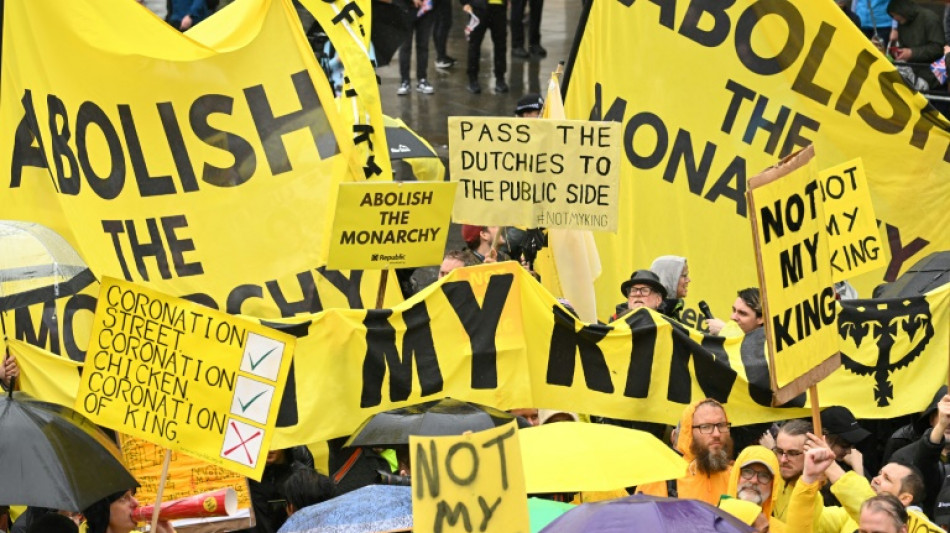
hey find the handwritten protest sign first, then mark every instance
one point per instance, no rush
(383, 225)
(853, 238)
(530, 172)
(470, 482)
(788, 222)
(184, 376)
(187, 476)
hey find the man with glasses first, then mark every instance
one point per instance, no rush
(705, 442)
(790, 452)
(643, 289)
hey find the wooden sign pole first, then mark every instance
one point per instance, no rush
(383, 278)
(815, 409)
(161, 488)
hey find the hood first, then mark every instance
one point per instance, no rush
(669, 268)
(905, 8)
(756, 454)
(684, 440)
(923, 421)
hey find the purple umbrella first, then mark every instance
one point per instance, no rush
(647, 514)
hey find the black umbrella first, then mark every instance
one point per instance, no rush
(53, 457)
(440, 417)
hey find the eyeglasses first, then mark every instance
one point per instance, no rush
(791, 454)
(640, 291)
(748, 473)
(706, 429)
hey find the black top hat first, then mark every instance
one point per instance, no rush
(839, 421)
(643, 277)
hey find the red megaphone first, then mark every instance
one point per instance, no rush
(222, 502)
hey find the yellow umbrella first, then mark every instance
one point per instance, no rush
(576, 456)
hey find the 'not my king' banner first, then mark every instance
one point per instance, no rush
(709, 93)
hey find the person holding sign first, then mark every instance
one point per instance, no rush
(484, 242)
(113, 514)
(705, 442)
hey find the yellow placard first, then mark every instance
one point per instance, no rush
(390, 225)
(184, 377)
(798, 303)
(917, 522)
(470, 482)
(853, 238)
(764, 80)
(535, 173)
(187, 476)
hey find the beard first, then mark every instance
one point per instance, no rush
(750, 494)
(711, 462)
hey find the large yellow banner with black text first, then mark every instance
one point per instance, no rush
(203, 165)
(491, 334)
(710, 93)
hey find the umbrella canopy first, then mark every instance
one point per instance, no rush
(543, 512)
(647, 514)
(576, 456)
(53, 457)
(37, 265)
(413, 157)
(392, 26)
(370, 509)
(447, 416)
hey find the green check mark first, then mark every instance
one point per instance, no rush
(261, 360)
(244, 406)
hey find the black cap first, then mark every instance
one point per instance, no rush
(643, 277)
(529, 102)
(839, 421)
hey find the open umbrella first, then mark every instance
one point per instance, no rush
(593, 457)
(647, 514)
(53, 457)
(370, 509)
(413, 157)
(447, 416)
(37, 265)
(543, 512)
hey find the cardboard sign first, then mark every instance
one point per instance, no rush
(530, 172)
(798, 295)
(184, 377)
(470, 482)
(853, 238)
(387, 225)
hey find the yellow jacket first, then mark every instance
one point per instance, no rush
(801, 505)
(695, 485)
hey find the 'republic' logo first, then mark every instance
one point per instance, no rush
(374, 257)
(900, 330)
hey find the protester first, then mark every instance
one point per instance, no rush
(267, 495)
(484, 242)
(910, 433)
(790, 452)
(928, 454)
(550, 416)
(306, 487)
(847, 438)
(920, 32)
(746, 313)
(113, 514)
(706, 445)
(883, 514)
(442, 11)
(53, 523)
(674, 275)
(183, 14)
(8, 371)
(420, 27)
(530, 414)
(456, 259)
(643, 289)
(492, 15)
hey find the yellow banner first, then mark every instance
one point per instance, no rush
(853, 239)
(763, 80)
(390, 225)
(492, 335)
(470, 482)
(919, 523)
(535, 173)
(184, 377)
(202, 165)
(798, 295)
(187, 476)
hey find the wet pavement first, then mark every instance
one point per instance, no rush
(427, 113)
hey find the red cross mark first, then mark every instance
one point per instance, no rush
(243, 442)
